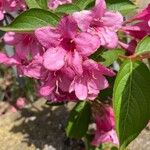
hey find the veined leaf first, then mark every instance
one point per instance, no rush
(143, 46)
(37, 3)
(131, 100)
(82, 4)
(67, 8)
(123, 6)
(31, 20)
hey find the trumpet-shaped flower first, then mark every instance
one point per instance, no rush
(101, 22)
(66, 46)
(92, 80)
(105, 127)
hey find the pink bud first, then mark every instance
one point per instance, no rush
(20, 103)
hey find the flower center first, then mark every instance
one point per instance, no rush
(68, 44)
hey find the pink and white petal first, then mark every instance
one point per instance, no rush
(46, 90)
(72, 86)
(96, 84)
(83, 19)
(76, 62)
(101, 82)
(86, 43)
(112, 20)
(108, 38)
(48, 36)
(99, 9)
(81, 90)
(54, 58)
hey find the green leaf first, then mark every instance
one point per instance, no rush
(79, 120)
(131, 100)
(37, 3)
(82, 4)
(143, 46)
(67, 8)
(31, 20)
(111, 56)
(107, 57)
(123, 6)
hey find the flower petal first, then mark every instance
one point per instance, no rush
(99, 9)
(68, 27)
(83, 19)
(87, 44)
(54, 58)
(108, 38)
(4, 59)
(81, 90)
(48, 36)
(112, 20)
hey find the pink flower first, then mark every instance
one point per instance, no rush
(92, 80)
(28, 54)
(105, 122)
(141, 27)
(11, 6)
(20, 103)
(105, 137)
(53, 4)
(55, 85)
(105, 127)
(101, 22)
(66, 46)
(52, 81)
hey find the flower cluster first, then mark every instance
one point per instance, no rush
(7, 6)
(60, 57)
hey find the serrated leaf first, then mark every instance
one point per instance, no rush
(107, 57)
(67, 8)
(37, 3)
(131, 101)
(82, 4)
(79, 120)
(31, 20)
(143, 46)
(123, 6)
